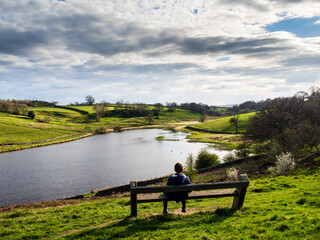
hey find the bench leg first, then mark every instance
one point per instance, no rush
(133, 204)
(239, 199)
(133, 199)
(165, 206)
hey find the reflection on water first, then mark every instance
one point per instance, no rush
(73, 168)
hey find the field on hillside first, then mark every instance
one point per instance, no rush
(285, 207)
(89, 109)
(55, 115)
(20, 129)
(222, 125)
(52, 122)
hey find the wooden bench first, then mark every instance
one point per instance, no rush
(236, 189)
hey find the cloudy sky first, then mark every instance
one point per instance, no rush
(211, 51)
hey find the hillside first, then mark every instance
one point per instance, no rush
(223, 125)
(56, 125)
(285, 207)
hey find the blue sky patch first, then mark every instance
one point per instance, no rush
(301, 27)
(223, 59)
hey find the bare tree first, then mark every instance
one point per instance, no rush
(90, 100)
(235, 121)
(202, 118)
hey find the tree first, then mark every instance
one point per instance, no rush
(149, 117)
(31, 114)
(275, 117)
(100, 110)
(89, 100)
(202, 118)
(158, 107)
(289, 124)
(235, 121)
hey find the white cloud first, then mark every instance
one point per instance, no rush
(147, 50)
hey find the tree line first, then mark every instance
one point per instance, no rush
(21, 107)
(288, 124)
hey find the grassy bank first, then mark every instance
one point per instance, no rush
(275, 208)
(223, 141)
(223, 125)
(224, 137)
(55, 125)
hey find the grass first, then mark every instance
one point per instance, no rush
(162, 138)
(286, 207)
(19, 129)
(224, 141)
(53, 122)
(222, 125)
(89, 109)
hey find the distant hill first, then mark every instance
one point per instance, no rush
(222, 125)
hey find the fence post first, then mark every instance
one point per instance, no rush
(239, 199)
(133, 191)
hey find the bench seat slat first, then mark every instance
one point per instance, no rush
(191, 187)
(193, 195)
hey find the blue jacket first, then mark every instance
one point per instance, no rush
(178, 179)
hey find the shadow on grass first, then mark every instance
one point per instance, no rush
(22, 117)
(154, 225)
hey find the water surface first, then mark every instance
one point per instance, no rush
(77, 167)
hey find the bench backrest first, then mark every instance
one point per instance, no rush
(242, 182)
(240, 185)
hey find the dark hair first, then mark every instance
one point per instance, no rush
(178, 168)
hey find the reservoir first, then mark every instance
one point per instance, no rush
(108, 160)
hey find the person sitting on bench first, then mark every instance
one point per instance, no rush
(177, 179)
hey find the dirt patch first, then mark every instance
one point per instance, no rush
(46, 204)
(90, 227)
(58, 203)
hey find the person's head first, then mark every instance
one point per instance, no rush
(178, 168)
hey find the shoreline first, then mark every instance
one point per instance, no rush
(118, 190)
(11, 147)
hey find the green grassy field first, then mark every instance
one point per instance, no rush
(223, 141)
(222, 125)
(51, 122)
(285, 207)
(19, 129)
(89, 109)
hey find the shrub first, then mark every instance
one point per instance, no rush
(284, 165)
(46, 119)
(190, 162)
(88, 129)
(149, 117)
(206, 159)
(232, 174)
(192, 174)
(31, 114)
(100, 130)
(229, 157)
(242, 151)
(171, 109)
(117, 129)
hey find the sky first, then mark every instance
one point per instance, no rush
(216, 52)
